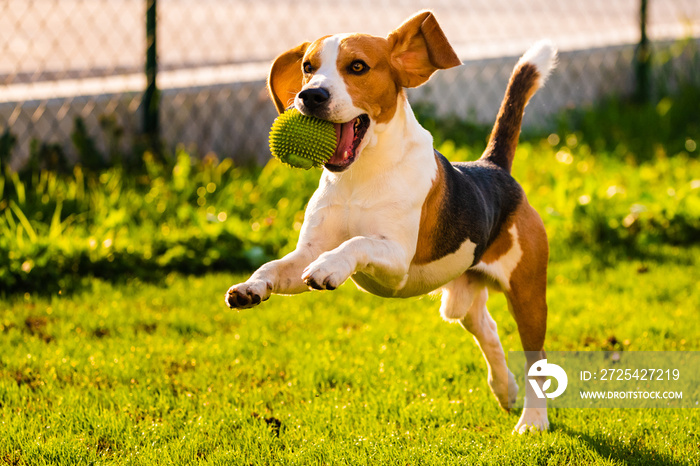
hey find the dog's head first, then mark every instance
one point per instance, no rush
(355, 80)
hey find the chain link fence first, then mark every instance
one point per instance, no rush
(71, 69)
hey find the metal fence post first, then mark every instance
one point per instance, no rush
(642, 59)
(151, 98)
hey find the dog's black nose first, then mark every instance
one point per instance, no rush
(314, 98)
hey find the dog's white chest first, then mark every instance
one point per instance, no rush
(424, 278)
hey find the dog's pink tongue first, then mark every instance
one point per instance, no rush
(344, 134)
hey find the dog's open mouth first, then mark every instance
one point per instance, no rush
(349, 136)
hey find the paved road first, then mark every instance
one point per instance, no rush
(56, 39)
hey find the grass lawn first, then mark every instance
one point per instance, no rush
(140, 373)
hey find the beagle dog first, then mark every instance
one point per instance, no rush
(394, 215)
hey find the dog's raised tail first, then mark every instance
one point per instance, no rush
(529, 74)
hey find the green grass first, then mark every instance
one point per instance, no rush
(139, 373)
(197, 216)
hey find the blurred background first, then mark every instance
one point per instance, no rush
(77, 69)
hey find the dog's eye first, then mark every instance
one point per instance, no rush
(358, 67)
(308, 69)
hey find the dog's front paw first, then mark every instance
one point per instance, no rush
(327, 272)
(248, 294)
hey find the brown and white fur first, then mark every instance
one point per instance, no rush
(394, 215)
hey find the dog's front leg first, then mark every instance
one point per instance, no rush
(386, 261)
(282, 276)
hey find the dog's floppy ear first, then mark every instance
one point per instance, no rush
(284, 81)
(419, 48)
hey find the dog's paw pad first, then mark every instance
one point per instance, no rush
(326, 273)
(246, 295)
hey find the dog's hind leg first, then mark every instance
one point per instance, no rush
(526, 296)
(464, 299)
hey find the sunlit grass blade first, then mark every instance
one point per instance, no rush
(18, 185)
(56, 227)
(24, 221)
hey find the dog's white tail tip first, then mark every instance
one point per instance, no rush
(543, 55)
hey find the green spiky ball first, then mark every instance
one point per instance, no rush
(302, 141)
